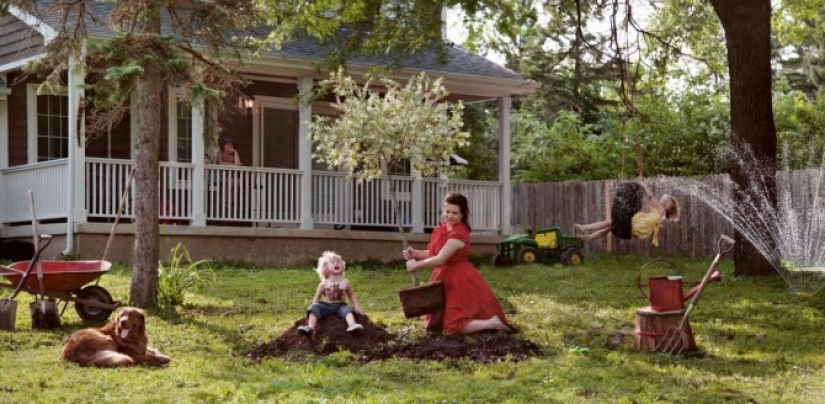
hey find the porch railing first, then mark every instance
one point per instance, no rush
(249, 194)
(484, 198)
(340, 200)
(245, 195)
(48, 182)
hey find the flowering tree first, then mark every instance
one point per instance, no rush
(385, 124)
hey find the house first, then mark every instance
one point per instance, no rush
(280, 207)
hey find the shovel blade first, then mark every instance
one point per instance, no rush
(44, 314)
(8, 314)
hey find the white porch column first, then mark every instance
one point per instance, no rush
(133, 124)
(504, 163)
(198, 188)
(4, 136)
(305, 152)
(4, 123)
(77, 139)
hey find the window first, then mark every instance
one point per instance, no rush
(179, 113)
(49, 115)
(184, 132)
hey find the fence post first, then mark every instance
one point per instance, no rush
(608, 201)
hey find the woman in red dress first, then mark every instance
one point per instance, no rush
(470, 305)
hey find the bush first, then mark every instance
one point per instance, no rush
(178, 278)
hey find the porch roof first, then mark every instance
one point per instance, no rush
(458, 63)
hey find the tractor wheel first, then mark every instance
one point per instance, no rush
(572, 257)
(501, 260)
(93, 314)
(529, 255)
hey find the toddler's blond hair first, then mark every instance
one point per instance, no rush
(325, 258)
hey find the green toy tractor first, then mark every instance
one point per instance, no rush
(547, 245)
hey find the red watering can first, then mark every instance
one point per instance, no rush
(665, 292)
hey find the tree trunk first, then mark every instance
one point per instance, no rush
(146, 253)
(747, 25)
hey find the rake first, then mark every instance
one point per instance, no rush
(673, 342)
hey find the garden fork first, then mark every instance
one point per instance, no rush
(673, 342)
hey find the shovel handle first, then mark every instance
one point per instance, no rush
(706, 279)
(45, 240)
(415, 280)
(725, 239)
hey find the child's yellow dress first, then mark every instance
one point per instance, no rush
(645, 224)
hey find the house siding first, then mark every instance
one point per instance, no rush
(18, 135)
(17, 40)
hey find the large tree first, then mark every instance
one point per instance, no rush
(747, 25)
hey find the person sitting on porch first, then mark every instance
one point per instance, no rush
(228, 154)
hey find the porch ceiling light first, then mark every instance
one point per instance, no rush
(246, 103)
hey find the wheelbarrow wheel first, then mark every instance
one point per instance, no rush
(94, 314)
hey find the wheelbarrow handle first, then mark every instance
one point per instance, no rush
(45, 240)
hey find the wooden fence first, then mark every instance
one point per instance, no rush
(562, 204)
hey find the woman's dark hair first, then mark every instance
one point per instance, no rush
(455, 198)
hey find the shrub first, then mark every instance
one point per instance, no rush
(178, 278)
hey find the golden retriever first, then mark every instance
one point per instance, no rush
(121, 342)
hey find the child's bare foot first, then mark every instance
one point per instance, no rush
(584, 238)
(579, 227)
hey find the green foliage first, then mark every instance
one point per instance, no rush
(481, 150)
(564, 151)
(179, 278)
(392, 30)
(401, 123)
(800, 129)
(759, 344)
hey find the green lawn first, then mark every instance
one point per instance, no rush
(760, 344)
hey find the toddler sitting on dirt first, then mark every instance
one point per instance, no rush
(329, 298)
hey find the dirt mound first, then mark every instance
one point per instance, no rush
(330, 336)
(374, 343)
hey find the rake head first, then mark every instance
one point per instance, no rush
(674, 342)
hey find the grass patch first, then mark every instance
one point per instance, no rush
(760, 344)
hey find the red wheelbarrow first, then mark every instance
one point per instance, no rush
(64, 281)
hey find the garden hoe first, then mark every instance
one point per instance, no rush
(673, 342)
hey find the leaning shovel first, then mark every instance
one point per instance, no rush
(44, 311)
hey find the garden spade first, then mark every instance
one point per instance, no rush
(44, 311)
(673, 341)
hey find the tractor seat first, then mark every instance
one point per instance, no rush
(547, 240)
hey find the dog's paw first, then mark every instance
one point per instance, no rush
(158, 357)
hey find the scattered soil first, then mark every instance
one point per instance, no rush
(374, 343)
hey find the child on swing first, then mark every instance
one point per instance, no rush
(329, 297)
(627, 220)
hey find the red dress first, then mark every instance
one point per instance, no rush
(467, 295)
